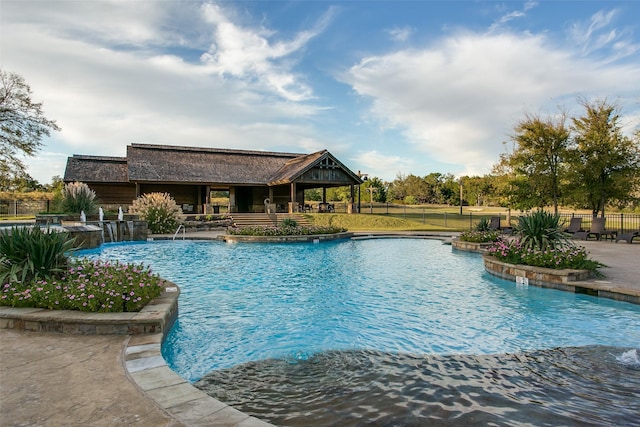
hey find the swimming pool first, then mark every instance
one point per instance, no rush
(356, 331)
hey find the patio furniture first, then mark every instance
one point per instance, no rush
(494, 224)
(628, 236)
(575, 225)
(325, 207)
(597, 230)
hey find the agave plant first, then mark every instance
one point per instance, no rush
(29, 253)
(541, 230)
(482, 225)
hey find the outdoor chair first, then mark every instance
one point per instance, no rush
(597, 230)
(628, 236)
(494, 224)
(574, 226)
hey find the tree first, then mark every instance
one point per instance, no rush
(605, 164)
(537, 165)
(22, 126)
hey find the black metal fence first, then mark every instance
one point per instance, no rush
(439, 217)
(19, 208)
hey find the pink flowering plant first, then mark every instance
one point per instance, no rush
(560, 257)
(87, 285)
(476, 236)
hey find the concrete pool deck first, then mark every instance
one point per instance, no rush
(51, 379)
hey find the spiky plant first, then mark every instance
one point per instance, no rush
(540, 230)
(159, 210)
(29, 253)
(482, 225)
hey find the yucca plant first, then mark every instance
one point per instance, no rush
(482, 225)
(289, 222)
(159, 210)
(540, 230)
(78, 197)
(29, 253)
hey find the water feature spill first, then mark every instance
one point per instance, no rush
(112, 230)
(129, 225)
(587, 386)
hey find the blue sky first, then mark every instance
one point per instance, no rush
(388, 87)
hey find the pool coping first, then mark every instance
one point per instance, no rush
(141, 356)
(568, 280)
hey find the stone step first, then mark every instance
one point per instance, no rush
(266, 220)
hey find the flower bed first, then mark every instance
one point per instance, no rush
(284, 230)
(487, 236)
(92, 286)
(561, 257)
(539, 276)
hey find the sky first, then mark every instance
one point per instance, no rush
(390, 88)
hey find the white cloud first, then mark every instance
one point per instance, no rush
(400, 34)
(459, 100)
(248, 53)
(510, 16)
(599, 35)
(108, 86)
(375, 163)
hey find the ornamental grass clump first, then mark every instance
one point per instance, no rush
(78, 197)
(159, 210)
(92, 286)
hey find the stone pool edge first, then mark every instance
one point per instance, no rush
(141, 356)
(576, 281)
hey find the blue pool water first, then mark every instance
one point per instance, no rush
(390, 302)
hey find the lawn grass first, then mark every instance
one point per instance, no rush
(372, 223)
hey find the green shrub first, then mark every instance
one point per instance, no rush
(29, 253)
(289, 222)
(483, 225)
(78, 197)
(93, 286)
(479, 236)
(540, 230)
(159, 210)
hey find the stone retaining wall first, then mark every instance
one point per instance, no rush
(470, 246)
(284, 239)
(536, 275)
(158, 316)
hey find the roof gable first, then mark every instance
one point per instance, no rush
(316, 168)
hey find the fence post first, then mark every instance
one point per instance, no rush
(445, 218)
(621, 223)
